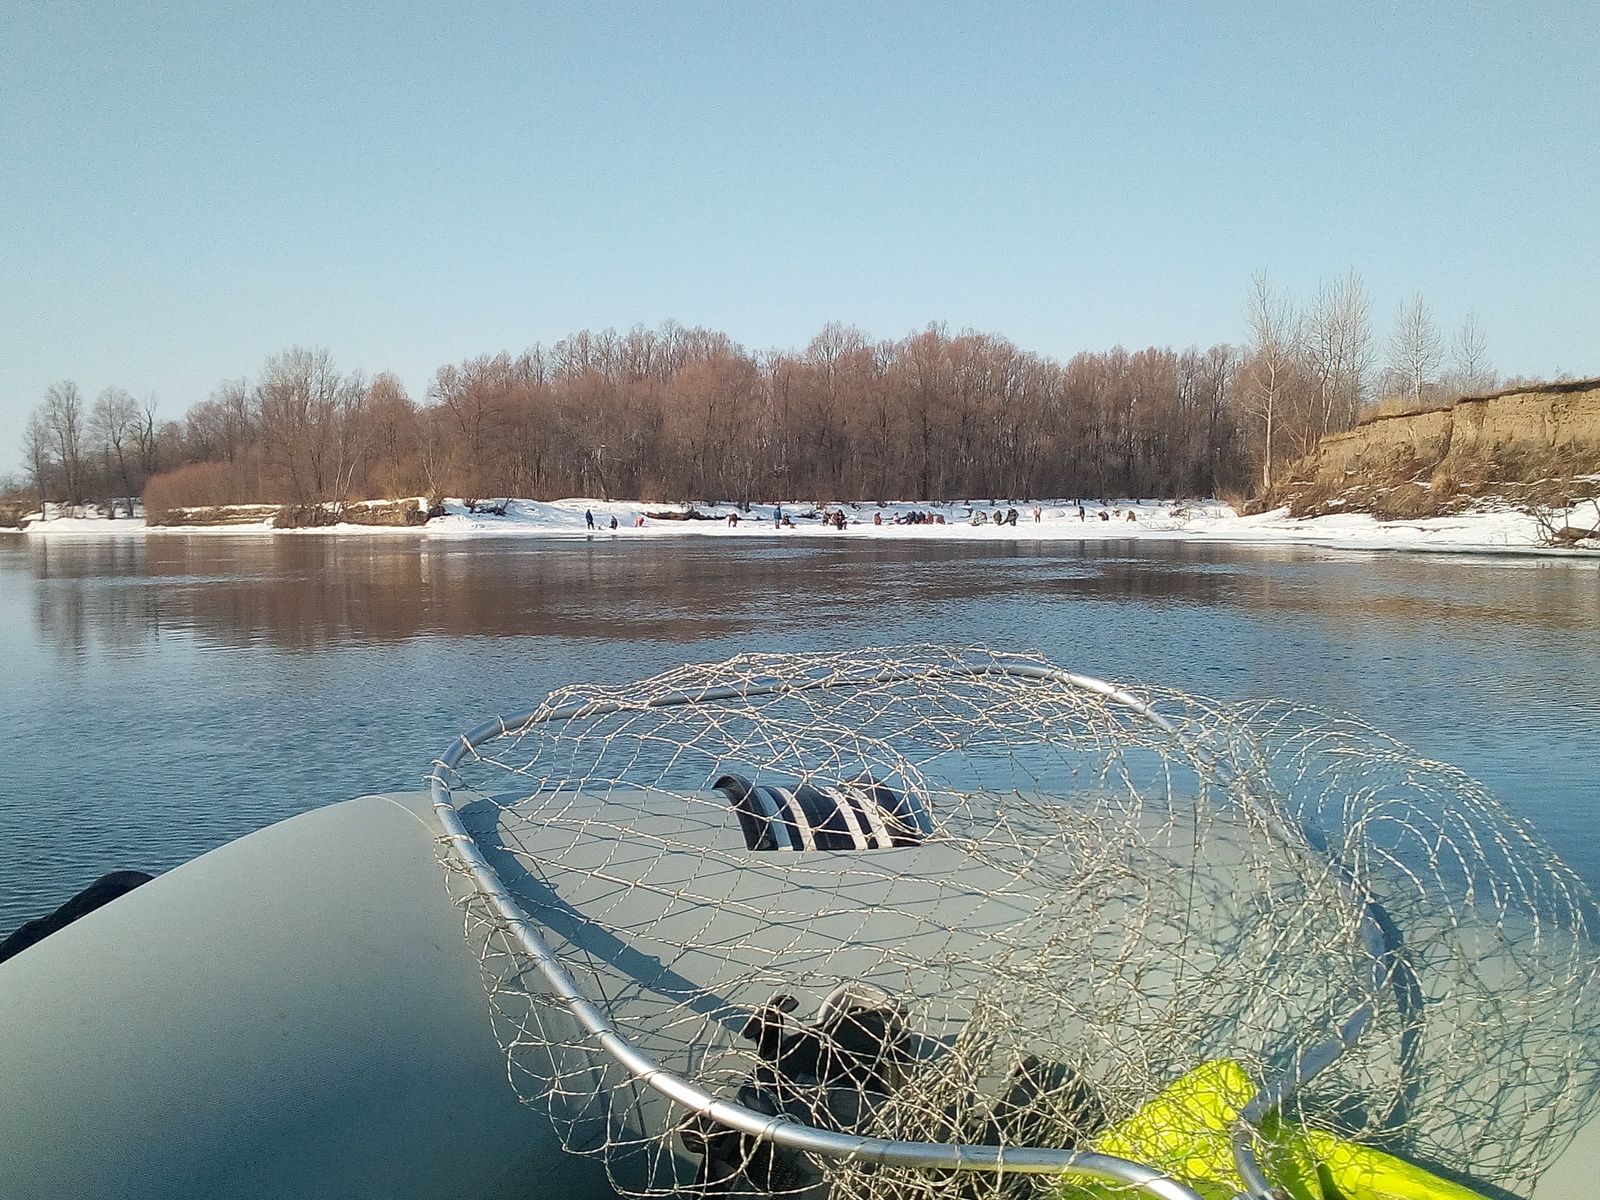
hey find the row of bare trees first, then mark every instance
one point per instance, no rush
(299, 435)
(678, 413)
(1311, 370)
(75, 452)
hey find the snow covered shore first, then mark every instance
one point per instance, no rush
(1492, 531)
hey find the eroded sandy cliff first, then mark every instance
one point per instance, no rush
(1536, 445)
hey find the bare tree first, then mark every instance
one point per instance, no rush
(1415, 349)
(1339, 352)
(391, 422)
(1275, 337)
(309, 417)
(36, 448)
(112, 424)
(1471, 370)
(147, 439)
(63, 420)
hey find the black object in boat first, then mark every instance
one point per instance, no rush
(831, 1075)
(861, 814)
(102, 891)
(837, 1073)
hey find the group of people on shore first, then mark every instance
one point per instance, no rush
(1105, 513)
(836, 519)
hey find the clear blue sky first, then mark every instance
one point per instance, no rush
(187, 188)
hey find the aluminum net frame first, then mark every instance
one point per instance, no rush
(1109, 889)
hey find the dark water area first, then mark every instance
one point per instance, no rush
(160, 697)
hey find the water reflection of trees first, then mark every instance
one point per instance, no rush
(314, 593)
(309, 593)
(78, 599)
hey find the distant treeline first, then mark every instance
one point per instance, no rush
(677, 413)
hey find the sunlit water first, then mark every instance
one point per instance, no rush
(161, 697)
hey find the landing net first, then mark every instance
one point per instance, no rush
(954, 897)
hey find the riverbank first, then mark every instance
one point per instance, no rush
(1489, 530)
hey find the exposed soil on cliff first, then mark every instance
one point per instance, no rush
(1531, 450)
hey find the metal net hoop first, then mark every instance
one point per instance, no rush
(1114, 888)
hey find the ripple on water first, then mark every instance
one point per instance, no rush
(163, 697)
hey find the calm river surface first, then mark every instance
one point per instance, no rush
(161, 697)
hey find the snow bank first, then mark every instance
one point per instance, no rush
(1489, 530)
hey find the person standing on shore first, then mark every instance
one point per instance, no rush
(588, 517)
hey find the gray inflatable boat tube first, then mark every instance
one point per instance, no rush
(294, 1015)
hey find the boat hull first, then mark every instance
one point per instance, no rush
(295, 1014)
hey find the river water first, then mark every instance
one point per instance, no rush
(162, 696)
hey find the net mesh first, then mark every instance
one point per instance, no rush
(1030, 909)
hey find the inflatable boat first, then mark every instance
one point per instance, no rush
(295, 1014)
(835, 926)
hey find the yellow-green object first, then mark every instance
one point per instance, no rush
(1185, 1131)
(1360, 1173)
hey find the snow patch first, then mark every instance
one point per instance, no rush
(1490, 530)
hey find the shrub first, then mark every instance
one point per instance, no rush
(197, 485)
